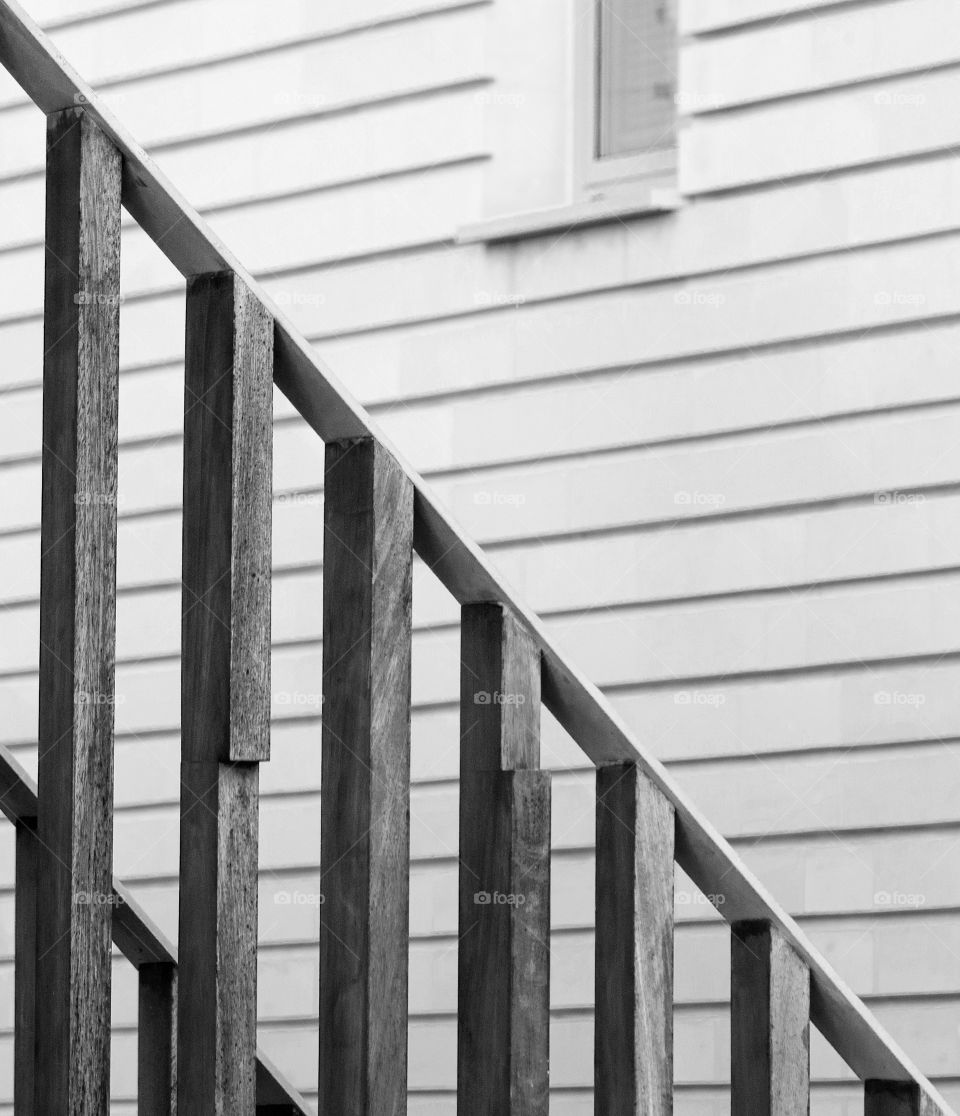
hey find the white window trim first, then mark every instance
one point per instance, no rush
(609, 179)
(600, 191)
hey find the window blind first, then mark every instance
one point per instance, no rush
(636, 76)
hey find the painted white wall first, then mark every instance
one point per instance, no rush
(717, 449)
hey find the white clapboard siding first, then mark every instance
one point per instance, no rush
(789, 630)
(52, 13)
(701, 965)
(608, 410)
(883, 204)
(376, 213)
(826, 796)
(895, 118)
(677, 719)
(717, 450)
(851, 292)
(317, 152)
(842, 46)
(875, 875)
(715, 15)
(818, 462)
(190, 32)
(887, 203)
(882, 535)
(147, 771)
(327, 75)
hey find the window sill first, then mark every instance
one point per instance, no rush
(519, 225)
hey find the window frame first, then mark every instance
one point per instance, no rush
(614, 178)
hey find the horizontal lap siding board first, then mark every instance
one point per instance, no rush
(881, 458)
(304, 79)
(865, 209)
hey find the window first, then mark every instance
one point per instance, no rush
(626, 96)
(581, 123)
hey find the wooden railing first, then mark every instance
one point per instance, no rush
(198, 1012)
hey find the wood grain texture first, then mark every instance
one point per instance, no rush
(227, 502)
(578, 705)
(157, 1040)
(633, 1024)
(897, 1098)
(504, 906)
(78, 615)
(227, 496)
(217, 996)
(504, 948)
(142, 942)
(25, 970)
(499, 691)
(769, 1024)
(365, 781)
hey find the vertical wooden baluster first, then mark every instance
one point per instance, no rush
(225, 688)
(157, 1040)
(77, 615)
(633, 1024)
(770, 1024)
(504, 961)
(25, 970)
(896, 1098)
(365, 779)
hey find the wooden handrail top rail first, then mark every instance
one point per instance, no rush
(135, 934)
(184, 237)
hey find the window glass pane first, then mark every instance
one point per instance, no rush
(636, 76)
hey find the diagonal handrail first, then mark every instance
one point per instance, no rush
(135, 933)
(192, 247)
